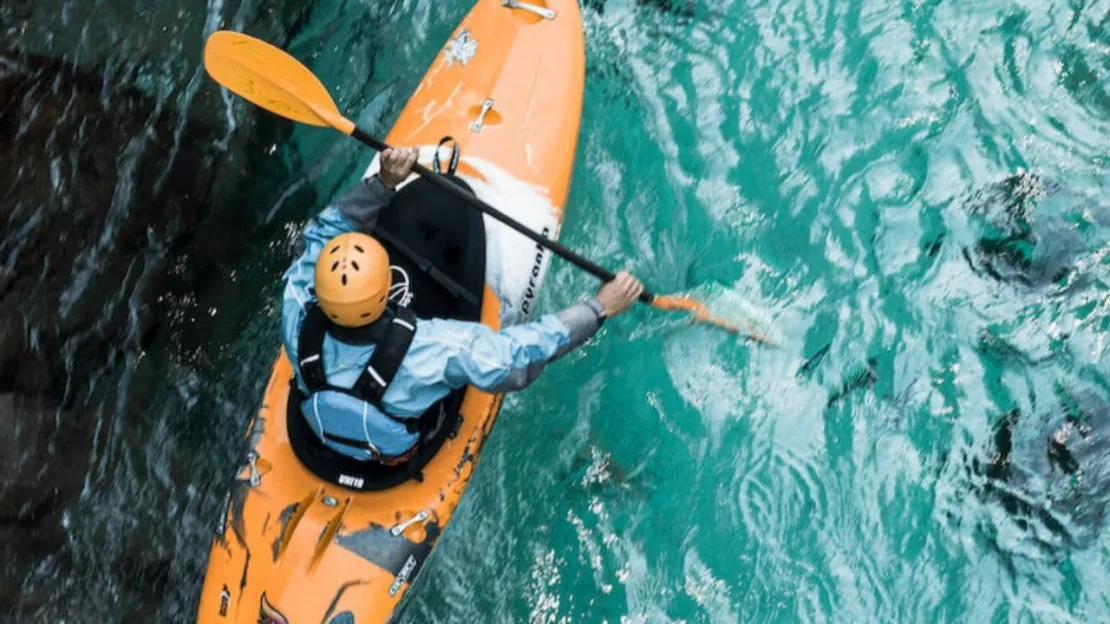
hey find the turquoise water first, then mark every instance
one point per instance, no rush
(910, 195)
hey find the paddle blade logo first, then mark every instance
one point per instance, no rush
(267, 614)
(462, 48)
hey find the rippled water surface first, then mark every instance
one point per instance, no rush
(913, 194)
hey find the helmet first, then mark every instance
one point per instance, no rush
(353, 279)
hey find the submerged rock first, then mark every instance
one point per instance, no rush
(1058, 477)
(1030, 232)
(124, 208)
(33, 494)
(105, 186)
(102, 188)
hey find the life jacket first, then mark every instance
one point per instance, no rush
(391, 336)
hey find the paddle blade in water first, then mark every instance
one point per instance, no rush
(272, 79)
(725, 310)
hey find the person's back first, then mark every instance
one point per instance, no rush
(369, 370)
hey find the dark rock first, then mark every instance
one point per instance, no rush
(33, 494)
(1059, 476)
(97, 199)
(7, 276)
(104, 183)
(121, 210)
(1027, 233)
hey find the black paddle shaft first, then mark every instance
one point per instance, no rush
(563, 252)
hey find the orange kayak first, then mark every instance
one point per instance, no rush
(307, 539)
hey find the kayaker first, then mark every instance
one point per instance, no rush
(368, 369)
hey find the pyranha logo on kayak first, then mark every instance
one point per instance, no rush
(268, 614)
(534, 277)
(462, 48)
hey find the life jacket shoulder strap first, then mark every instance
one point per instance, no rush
(389, 352)
(386, 359)
(310, 350)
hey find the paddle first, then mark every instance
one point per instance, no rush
(274, 80)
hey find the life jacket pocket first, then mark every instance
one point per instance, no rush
(349, 425)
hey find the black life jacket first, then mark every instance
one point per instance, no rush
(391, 334)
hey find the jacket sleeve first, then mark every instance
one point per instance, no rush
(355, 211)
(512, 358)
(364, 203)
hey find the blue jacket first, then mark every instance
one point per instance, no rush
(444, 355)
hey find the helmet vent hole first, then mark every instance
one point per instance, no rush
(344, 279)
(334, 249)
(364, 315)
(335, 316)
(359, 249)
(335, 266)
(354, 264)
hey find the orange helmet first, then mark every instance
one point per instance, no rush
(353, 279)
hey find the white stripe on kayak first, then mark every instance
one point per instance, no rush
(311, 358)
(405, 324)
(376, 376)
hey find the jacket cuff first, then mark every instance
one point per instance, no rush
(598, 309)
(378, 190)
(581, 321)
(364, 202)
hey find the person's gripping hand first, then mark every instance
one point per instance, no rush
(618, 295)
(396, 166)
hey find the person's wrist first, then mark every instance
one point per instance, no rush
(599, 310)
(380, 181)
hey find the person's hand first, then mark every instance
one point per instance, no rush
(619, 295)
(396, 166)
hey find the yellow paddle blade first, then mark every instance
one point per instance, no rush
(272, 79)
(701, 314)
